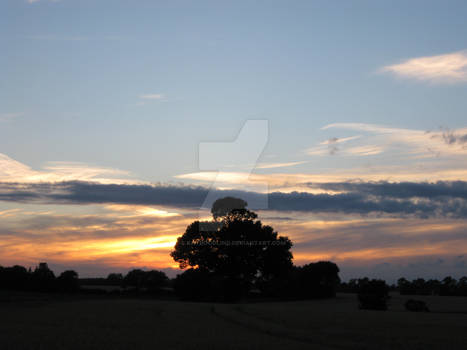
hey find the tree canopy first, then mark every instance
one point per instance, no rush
(235, 246)
(223, 206)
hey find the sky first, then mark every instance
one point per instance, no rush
(342, 123)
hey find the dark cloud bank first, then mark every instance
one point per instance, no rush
(440, 199)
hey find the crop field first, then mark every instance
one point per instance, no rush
(38, 322)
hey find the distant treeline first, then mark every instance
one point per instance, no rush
(447, 286)
(42, 279)
(314, 280)
(419, 286)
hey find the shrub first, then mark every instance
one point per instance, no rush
(416, 306)
(373, 294)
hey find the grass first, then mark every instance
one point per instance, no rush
(37, 322)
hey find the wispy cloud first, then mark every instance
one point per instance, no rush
(55, 37)
(451, 137)
(330, 146)
(137, 210)
(14, 171)
(153, 97)
(411, 142)
(368, 150)
(34, 1)
(447, 68)
(279, 165)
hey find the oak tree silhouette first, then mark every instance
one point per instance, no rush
(234, 250)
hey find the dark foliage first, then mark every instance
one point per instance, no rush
(416, 306)
(319, 280)
(115, 279)
(15, 277)
(145, 279)
(313, 280)
(235, 254)
(373, 294)
(202, 285)
(233, 251)
(223, 206)
(42, 279)
(419, 286)
(68, 281)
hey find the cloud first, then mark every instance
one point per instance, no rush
(401, 190)
(383, 248)
(55, 37)
(406, 142)
(34, 1)
(14, 171)
(424, 200)
(288, 182)
(137, 210)
(330, 146)
(153, 97)
(368, 150)
(105, 239)
(278, 165)
(108, 239)
(447, 68)
(450, 137)
(111, 240)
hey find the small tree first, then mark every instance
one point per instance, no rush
(155, 279)
(115, 279)
(145, 279)
(135, 278)
(319, 280)
(43, 278)
(373, 294)
(68, 281)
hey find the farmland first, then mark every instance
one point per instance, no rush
(34, 321)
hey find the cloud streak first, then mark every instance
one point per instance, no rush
(153, 97)
(14, 171)
(279, 165)
(447, 68)
(409, 142)
(441, 199)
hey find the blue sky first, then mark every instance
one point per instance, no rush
(129, 89)
(75, 71)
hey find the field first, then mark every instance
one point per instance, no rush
(36, 322)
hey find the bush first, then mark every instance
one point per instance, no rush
(416, 306)
(68, 281)
(373, 294)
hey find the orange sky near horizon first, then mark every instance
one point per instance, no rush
(121, 237)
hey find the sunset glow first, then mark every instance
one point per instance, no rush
(342, 130)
